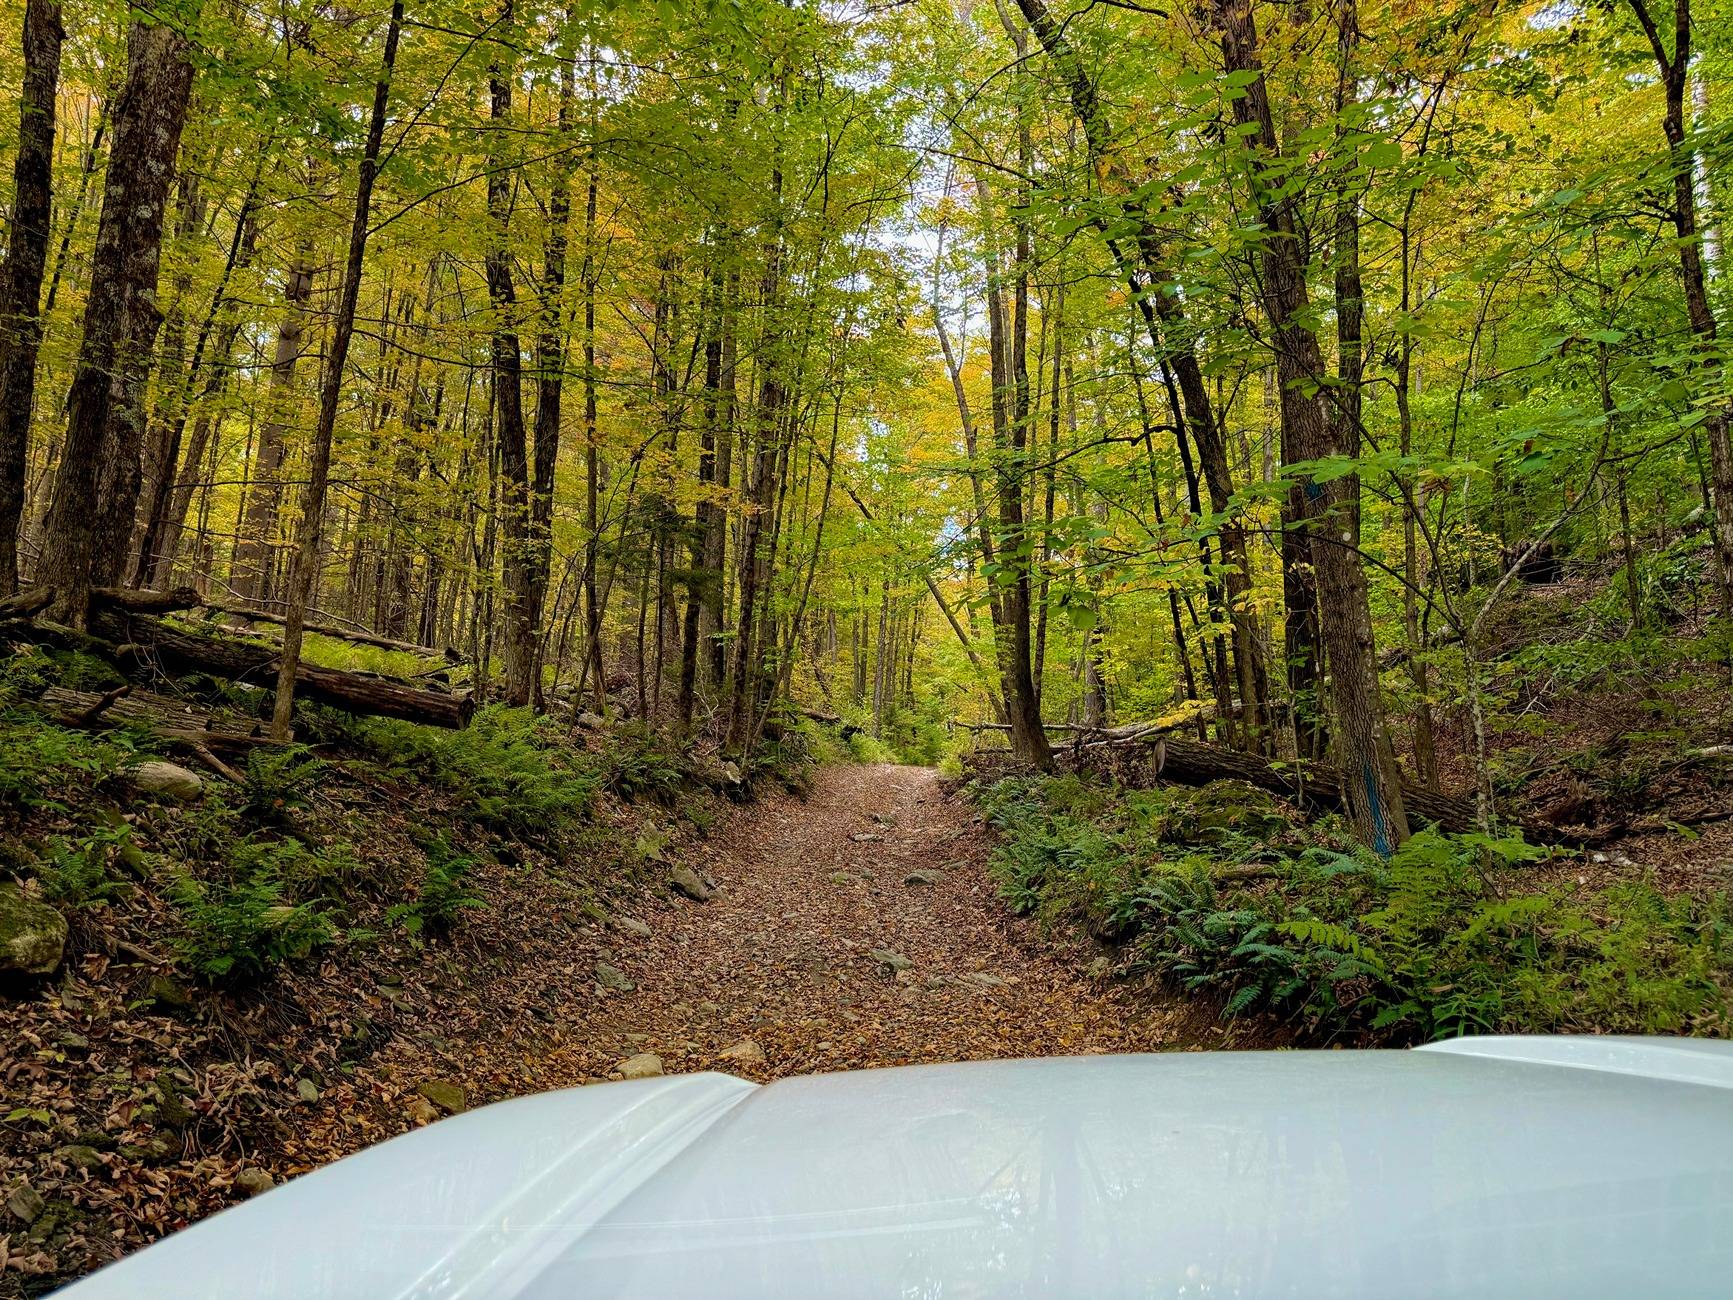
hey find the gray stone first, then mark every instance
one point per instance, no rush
(866, 837)
(612, 977)
(306, 1090)
(448, 1096)
(421, 1111)
(254, 1182)
(731, 773)
(32, 934)
(168, 780)
(745, 1052)
(1100, 968)
(633, 926)
(691, 884)
(645, 1065)
(841, 878)
(892, 958)
(924, 876)
(591, 721)
(151, 1151)
(981, 980)
(24, 1202)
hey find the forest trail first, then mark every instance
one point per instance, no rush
(794, 952)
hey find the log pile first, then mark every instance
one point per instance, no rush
(201, 731)
(147, 642)
(1308, 785)
(125, 628)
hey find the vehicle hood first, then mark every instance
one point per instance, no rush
(1531, 1167)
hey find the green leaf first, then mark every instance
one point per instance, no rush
(1381, 153)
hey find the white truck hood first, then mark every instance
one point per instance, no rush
(1580, 1167)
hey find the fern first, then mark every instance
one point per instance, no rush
(1337, 938)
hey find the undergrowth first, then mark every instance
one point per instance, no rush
(507, 768)
(270, 868)
(1219, 890)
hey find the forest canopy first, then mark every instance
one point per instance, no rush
(944, 370)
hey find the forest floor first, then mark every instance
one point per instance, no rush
(137, 1105)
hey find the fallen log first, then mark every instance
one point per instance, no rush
(1185, 717)
(146, 642)
(162, 715)
(1191, 762)
(124, 631)
(1318, 786)
(143, 600)
(27, 603)
(353, 635)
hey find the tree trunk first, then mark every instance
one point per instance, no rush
(1364, 755)
(255, 547)
(518, 635)
(592, 671)
(1718, 427)
(705, 589)
(1171, 335)
(550, 385)
(26, 259)
(96, 487)
(309, 534)
(756, 559)
(160, 534)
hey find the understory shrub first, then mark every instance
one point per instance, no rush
(788, 757)
(81, 870)
(43, 763)
(1233, 897)
(506, 767)
(639, 761)
(245, 922)
(864, 747)
(277, 781)
(443, 896)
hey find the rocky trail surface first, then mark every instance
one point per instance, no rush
(852, 929)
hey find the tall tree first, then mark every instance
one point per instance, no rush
(308, 536)
(96, 489)
(254, 566)
(1311, 432)
(1675, 69)
(26, 258)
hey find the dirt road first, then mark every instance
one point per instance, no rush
(856, 928)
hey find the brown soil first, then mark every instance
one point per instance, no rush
(783, 954)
